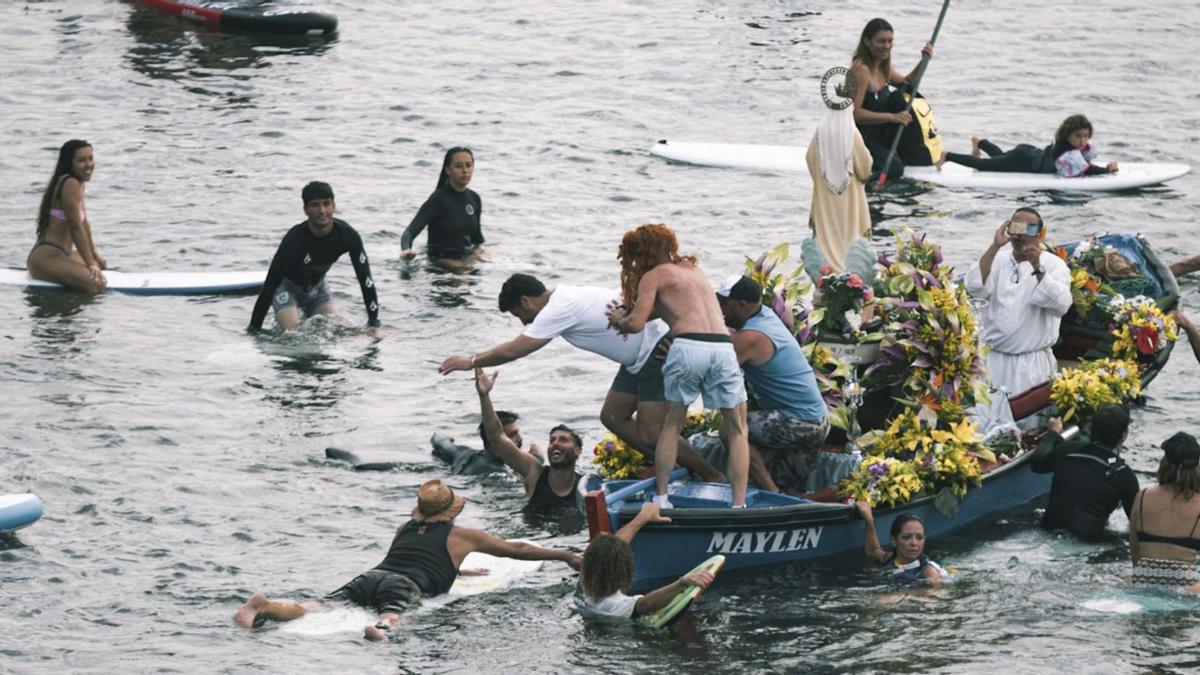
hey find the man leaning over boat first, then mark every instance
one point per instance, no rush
(791, 422)
(1027, 290)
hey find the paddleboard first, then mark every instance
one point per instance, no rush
(502, 573)
(158, 283)
(790, 158)
(683, 599)
(285, 23)
(17, 511)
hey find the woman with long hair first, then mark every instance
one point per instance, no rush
(1165, 519)
(907, 561)
(452, 214)
(1069, 155)
(875, 111)
(64, 251)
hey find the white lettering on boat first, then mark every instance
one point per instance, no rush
(774, 541)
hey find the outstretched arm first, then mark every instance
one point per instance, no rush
(419, 221)
(467, 540)
(650, 513)
(661, 597)
(1190, 328)
(519, 347)
(523, 463)
(871, 540)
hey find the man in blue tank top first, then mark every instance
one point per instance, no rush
(423, 560)
(791, 421)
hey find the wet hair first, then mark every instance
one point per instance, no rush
(65, 166)
(904, 519)
(444, 179)
(862, 52)
(1109, 425)
(506, 418)
(641, 250)
(316, 190)
(1178, 467)
(1071, 125)
(574, 436)
(518, 286)
(607, 567)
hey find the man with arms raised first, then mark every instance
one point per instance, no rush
(791, 421)
(422, 561)
(578, 315)
(295, 284)
(550, 488)
(657, 282)
(1027, 290)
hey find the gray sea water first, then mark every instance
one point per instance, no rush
(181, 461)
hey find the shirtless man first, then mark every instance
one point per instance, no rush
(657, 282)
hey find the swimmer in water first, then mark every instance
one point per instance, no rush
(452, 214)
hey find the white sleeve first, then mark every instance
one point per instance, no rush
(1053, 293)
(976, 287)
(554, 320)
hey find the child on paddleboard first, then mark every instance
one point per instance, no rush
(908, 562)
(1070, 155)
(607, 574)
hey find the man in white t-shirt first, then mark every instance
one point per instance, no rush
(579, 315)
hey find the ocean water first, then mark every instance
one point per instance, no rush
(181, 461)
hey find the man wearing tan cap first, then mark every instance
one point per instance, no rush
(423, 560)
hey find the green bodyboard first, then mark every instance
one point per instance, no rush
(685, 597)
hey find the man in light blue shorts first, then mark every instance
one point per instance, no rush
(658, 282)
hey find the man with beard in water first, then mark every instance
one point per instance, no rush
(550, 488)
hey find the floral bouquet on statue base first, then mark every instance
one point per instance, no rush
(840, 310)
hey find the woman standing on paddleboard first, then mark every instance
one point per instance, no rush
(64, 252)
(452, 214)
(874, 105)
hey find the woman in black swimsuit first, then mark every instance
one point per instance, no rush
(873, 73)
(1164, 525)
(64, 252)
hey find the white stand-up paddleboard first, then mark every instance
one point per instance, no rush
(502, 573)
(160, 283)
(790, 158)
(17, 511)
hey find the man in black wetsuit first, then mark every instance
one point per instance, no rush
(422, 561)
(1090, 479)
(295, 284)
(550, 488)
(467, 461)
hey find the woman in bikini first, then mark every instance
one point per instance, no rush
(873, 73)
(1163, 536)
(64, 252)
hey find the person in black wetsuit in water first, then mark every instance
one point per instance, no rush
(551, 489)
(467, 461)
(452, 214)
(423, 561)
(295, 284)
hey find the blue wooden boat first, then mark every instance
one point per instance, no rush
(779, 528)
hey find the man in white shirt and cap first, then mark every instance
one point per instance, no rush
(1027, 289)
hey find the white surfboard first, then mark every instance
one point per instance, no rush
(502, 573)
(17, 511)
(790, 158)
(157, 283)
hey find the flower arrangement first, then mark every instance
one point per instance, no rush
(1080, 391)
(616, 459)
(701, 422)
(841, 303)
(1140, 328)
(914, 458)
(1086, 291)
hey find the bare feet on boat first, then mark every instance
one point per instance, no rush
(941, 160)
(975, 151)
(246, 614)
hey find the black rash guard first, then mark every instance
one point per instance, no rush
(453, 220)
(418, 551)
(304, 258)
(1089, 482)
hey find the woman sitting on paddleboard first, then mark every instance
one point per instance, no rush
(452, 214)
(607, 573)
(873, 104)
(64, 252)
(908, 562)
(1069, 156)
(1164, 524)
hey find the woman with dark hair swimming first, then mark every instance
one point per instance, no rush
(908, 562)
(452, 214)
(64, 252)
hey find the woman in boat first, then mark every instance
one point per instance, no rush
(908, 562)
(1069, 156)
(64, 252)
(607, 574)
(451, 213)
(875, 110)
(1164, 522)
